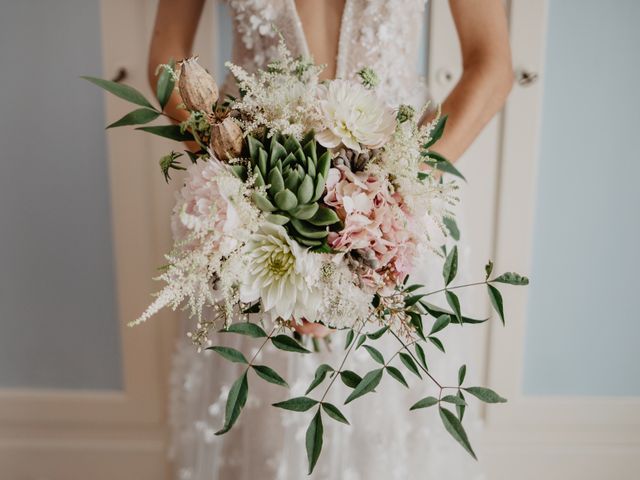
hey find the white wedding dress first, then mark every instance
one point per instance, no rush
(385, 440)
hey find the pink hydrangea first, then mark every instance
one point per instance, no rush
(202, 212)
(375, 225)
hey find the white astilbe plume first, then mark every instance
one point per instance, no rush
(281, 98)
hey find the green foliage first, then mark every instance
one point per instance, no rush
(436, 341)
(421, 356)
(437, 161)
(334, 413)
(366, 385)
(229, 353)
(286, 343)
(454, 303)
(462, 372)
(139, 116)
(165, 84)
(295, 174)
(375, 354)
(350, 379)
(488, 268)
(270, 375)
(450, 266)
(452, 227)
(460, 409)
(236, 401)
(169, 162)
(397, 374)
(496, 301)
(441, 323)
(456, 430)
(349, 339)
(453, 399)
(314, 440)
(247, 328)
(485, 394)
(408, 362)
(437, 132)
(512, 278)
(320, 375)
(172, 132)
(425, 403)
(437, 311)
(297, 404)
(378, 333)
(125, 92)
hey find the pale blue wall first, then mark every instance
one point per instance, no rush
(583, 323)
(58, 325)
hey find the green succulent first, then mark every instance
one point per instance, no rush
(294, 174)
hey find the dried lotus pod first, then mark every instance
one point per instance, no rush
(197, 87)
(226, 139)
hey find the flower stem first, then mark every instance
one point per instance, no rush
(406, 347)
(456, 287)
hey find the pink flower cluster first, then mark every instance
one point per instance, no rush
(375, 225)
(202, 211)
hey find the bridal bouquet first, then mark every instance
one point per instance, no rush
(309, 201)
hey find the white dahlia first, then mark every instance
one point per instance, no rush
(280, 273)
(353, 116)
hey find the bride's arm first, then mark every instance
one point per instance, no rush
(173, 34)
(487, 73)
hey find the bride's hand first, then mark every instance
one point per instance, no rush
(314, 329)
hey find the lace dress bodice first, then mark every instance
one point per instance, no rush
(381, 34)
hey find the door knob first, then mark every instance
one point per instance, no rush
(524, 78)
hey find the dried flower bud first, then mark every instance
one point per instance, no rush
(226, 139)
(197, 87)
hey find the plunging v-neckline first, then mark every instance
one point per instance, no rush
(342, 35)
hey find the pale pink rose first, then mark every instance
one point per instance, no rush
(375, 225)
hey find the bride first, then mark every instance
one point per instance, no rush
(344, 35)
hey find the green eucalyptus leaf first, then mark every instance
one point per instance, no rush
(485, 394)
(368, 383)
(424, 403)
(452, 227)
(397, 374)
(297, 404)
(437, 132)
(320, 375)
(512, 278)
(408, 362)
(375, 354)
(270, 375)
(378, 333)
(172, 132)
(314, 440)
(454, 303)
(229, 353)
(334, 413)
(441, 323)
(436, 341)
(421, 356)
(350, 336)
(236, 401)
(453, 399)
(456, 430)
(350, 379)
(288, 344)
(125, 92)
(496, 301)
(462, 372)
(137, 117)
(450, 267)
(246, 328)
